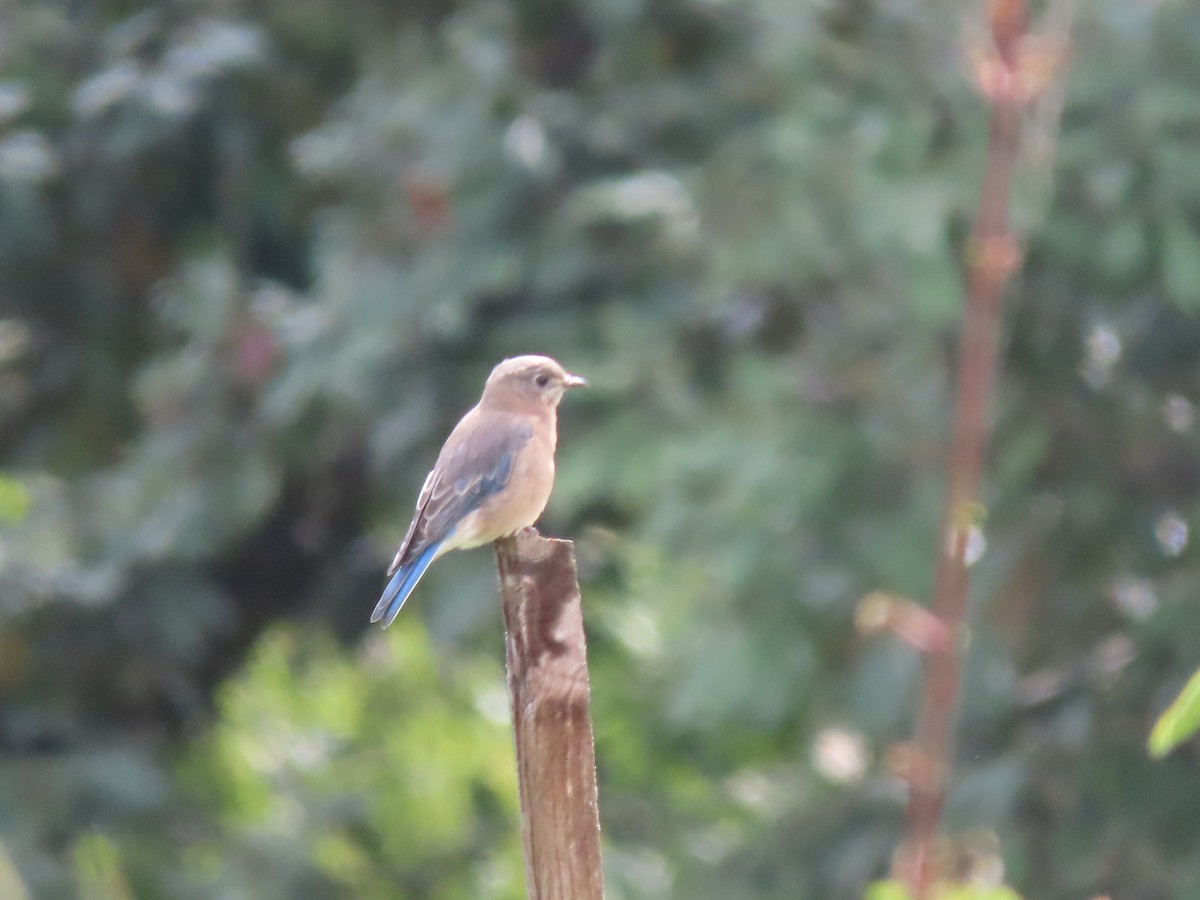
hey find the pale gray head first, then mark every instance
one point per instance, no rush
(529, 383)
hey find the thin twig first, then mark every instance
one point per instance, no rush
(1011, 73)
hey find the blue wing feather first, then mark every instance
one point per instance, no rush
(402, 584)
(476, 463)
(469, 470)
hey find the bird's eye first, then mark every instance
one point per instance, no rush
(542, 380)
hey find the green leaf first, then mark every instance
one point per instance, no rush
(1181, 263)
(98, 872)
(887, 890)
(1179, 721)
(1122, 249)
(935, 286)
(14, 500)
(974, 892)
(895, 890)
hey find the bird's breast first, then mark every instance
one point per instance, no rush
(521, 501)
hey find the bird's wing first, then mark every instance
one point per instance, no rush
(475, 463)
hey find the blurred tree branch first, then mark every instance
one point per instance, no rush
(1011, 73)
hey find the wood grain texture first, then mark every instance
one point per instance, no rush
(549, 694)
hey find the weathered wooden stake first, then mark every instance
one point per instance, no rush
(549, 692)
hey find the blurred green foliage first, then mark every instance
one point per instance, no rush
(891, 890)
(386, 771)
(256, 258)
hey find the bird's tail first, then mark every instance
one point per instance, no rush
(402, 585)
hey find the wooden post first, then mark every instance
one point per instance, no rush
(549, 693)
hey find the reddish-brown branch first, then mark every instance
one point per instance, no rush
(993, 256)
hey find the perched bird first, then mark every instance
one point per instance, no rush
(493, 476)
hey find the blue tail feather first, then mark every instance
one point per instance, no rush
(402, 585)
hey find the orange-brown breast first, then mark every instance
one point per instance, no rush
(528, 491)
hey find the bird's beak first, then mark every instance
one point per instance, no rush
(574, 381)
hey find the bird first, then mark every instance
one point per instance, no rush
(493, 476)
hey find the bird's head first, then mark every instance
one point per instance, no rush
(529, 382)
